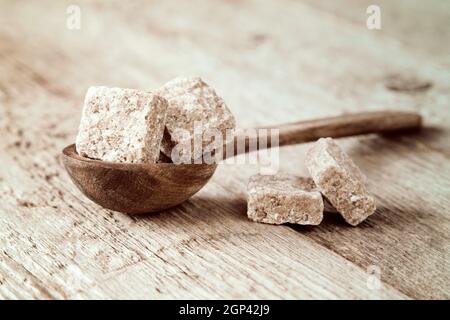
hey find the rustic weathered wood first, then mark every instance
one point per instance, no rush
(272, 63)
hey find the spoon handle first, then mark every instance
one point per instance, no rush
(348, 125)
(339, 126)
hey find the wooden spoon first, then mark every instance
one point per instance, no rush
(140, 188)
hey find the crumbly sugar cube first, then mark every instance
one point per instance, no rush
(340, 181)
(121, 125)
(191, 100)
(282, 198)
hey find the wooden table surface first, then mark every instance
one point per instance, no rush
(273, 63)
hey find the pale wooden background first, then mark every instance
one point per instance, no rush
(273, 63)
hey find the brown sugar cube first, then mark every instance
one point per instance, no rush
(121, 125)
(284, 198)
(340, 180)
(191, 100)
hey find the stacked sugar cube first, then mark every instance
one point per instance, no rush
(192, 102)
(132, 126)
(288, 199)
(121, 125)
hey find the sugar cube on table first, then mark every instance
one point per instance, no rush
(283, 198)
(121, 125)
(191, 100)
(340, 180)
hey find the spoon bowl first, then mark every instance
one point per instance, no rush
(135, 188)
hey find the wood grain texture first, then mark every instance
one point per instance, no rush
(276, 63)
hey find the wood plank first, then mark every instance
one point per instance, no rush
(74, 246)
(417, 25)
(60, 245)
